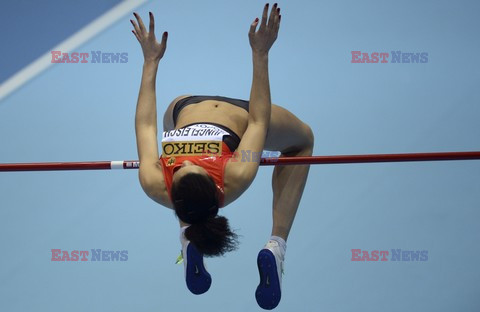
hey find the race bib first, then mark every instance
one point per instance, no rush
(199, 139)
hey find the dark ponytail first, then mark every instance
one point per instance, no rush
(212, 237)
(195, 199)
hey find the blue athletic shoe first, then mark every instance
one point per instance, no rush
(270, 268)
(196, 275)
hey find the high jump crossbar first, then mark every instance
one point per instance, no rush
(272, 161)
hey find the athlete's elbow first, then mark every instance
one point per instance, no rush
(260, 122)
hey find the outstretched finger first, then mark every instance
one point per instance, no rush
(164, 39)
(263, 24)
(136, 36)
(152, 23)
(273, 16)
(253, 27)
(135, 27)
(277, 26)
(140, 23)
(276, 19)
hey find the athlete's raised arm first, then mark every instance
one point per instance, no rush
(253, 140)
(150, 173)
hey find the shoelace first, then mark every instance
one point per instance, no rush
(282, 265)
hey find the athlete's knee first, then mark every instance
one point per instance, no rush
(308, 139)
(304, 143)
(309, 136)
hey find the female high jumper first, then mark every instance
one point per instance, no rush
(210, 155)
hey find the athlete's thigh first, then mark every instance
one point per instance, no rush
(286, 132)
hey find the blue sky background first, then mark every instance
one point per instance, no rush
(81, 112)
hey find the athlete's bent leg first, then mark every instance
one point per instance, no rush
(291, 137)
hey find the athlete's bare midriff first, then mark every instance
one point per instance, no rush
(233, 117)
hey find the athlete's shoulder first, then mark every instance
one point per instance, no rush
(153, 183)
(234, 180)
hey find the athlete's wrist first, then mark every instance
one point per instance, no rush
(151, 63)
(259, 56)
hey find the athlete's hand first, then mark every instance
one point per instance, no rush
(262, 40)
(152, 50)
